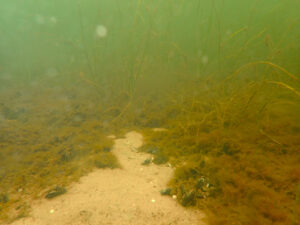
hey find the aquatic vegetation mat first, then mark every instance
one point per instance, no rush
(236, 157)
(45, 147)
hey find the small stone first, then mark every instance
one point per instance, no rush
(146, 162)
(166, 191)
(174, 196)
(153, 200)
(55, 192)
(51, 211)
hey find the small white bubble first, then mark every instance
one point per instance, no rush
(204, 59)
(101, 31)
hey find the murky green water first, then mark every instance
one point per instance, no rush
(221, 76)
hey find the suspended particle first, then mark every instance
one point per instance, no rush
(101, 31)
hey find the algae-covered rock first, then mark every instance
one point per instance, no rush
(166, 191)
(58, 190)
(146, 162)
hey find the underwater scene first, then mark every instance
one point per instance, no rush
(211, 87)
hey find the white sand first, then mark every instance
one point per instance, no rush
(128, 196)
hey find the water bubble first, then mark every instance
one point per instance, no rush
(101, 31)
(204, 59)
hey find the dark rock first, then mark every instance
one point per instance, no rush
(146, 162)
(166, 191)
(55, 192)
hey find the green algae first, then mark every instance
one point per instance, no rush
(39, 154)
(235, 171)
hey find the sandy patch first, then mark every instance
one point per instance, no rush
(127, 196)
